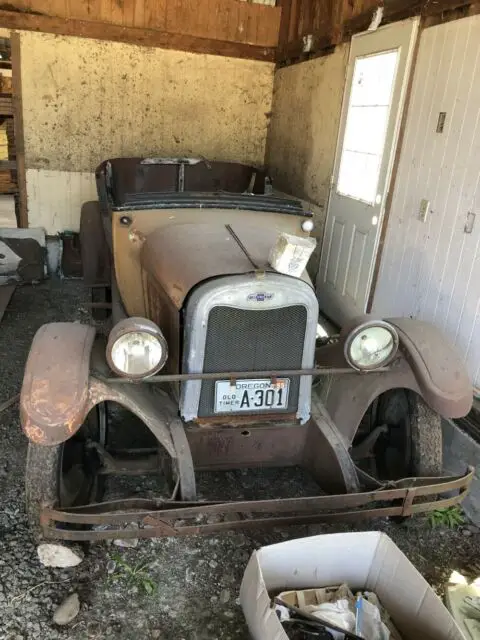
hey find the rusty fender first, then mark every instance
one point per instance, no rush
(427, 363)
(54, 396)
(58, 390)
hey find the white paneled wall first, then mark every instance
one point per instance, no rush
(56, 197)
(431, 270)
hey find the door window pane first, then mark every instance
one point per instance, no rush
(366, 127)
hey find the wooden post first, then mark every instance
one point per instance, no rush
(22, 213)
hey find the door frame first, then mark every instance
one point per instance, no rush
(392, 166)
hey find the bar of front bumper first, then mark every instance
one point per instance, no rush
(158, 518)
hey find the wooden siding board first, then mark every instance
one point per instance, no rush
(434, 267)
(144, 37)
(129, 7)
(464, 117)
(155, 14)
(221, 20)
(429, 164)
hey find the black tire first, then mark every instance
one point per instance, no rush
(45, 466)
(414, 430)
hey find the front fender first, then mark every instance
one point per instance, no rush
(437, 365)
(427, 364)
(54, 396)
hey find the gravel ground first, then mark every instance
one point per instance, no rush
(193, 581)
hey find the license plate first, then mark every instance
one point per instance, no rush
(251, 395)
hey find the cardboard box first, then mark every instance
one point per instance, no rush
(290, 254)
(369, 560)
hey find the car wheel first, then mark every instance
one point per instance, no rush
(412, 443)
(409, 437)
(66, 475)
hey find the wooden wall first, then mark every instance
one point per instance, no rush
(308, 26)
(231, 21)
(312, 27)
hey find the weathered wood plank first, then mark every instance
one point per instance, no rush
(394, 10)
(105, 11)
(208, 18)
(139, 19)
(8, 165)
(21, 176)
(129, 7)
(131, 35)
(286, 7)
(6, 105)
(117, 11)
(155, 12)
(246, 22)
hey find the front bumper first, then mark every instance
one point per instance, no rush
(156, 518)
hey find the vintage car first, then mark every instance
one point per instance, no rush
(219, 356)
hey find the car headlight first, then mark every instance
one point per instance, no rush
(371, 345)
(136, 348)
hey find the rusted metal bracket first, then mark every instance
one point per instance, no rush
(240, 375)
(158, 518)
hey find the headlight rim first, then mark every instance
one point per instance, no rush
(135, 324)
(361, 327)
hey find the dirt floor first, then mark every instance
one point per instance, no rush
(173, 589)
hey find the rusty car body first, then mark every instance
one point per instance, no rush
(218, 355)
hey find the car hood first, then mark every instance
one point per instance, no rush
(178, 257)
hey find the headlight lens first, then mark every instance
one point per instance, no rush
(136, 348)
(371, 345)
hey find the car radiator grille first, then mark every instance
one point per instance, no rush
(251, 340)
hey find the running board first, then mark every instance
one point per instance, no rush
(156, 518)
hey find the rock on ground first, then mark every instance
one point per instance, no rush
(67, 611)
(59, 555)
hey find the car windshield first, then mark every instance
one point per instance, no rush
(156, 183)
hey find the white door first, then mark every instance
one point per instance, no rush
(377, 77)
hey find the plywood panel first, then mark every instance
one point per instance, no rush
(433, 267)
(304, 125)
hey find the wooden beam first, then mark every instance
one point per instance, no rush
(286, 6)
(320, 40)
(22, 212)
(330, 35)
(394, 10)
(453, 14)
(8, 165)
(133, 35)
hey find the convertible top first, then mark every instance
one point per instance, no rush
(125, 184)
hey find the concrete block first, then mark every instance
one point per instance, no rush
(460, 451)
